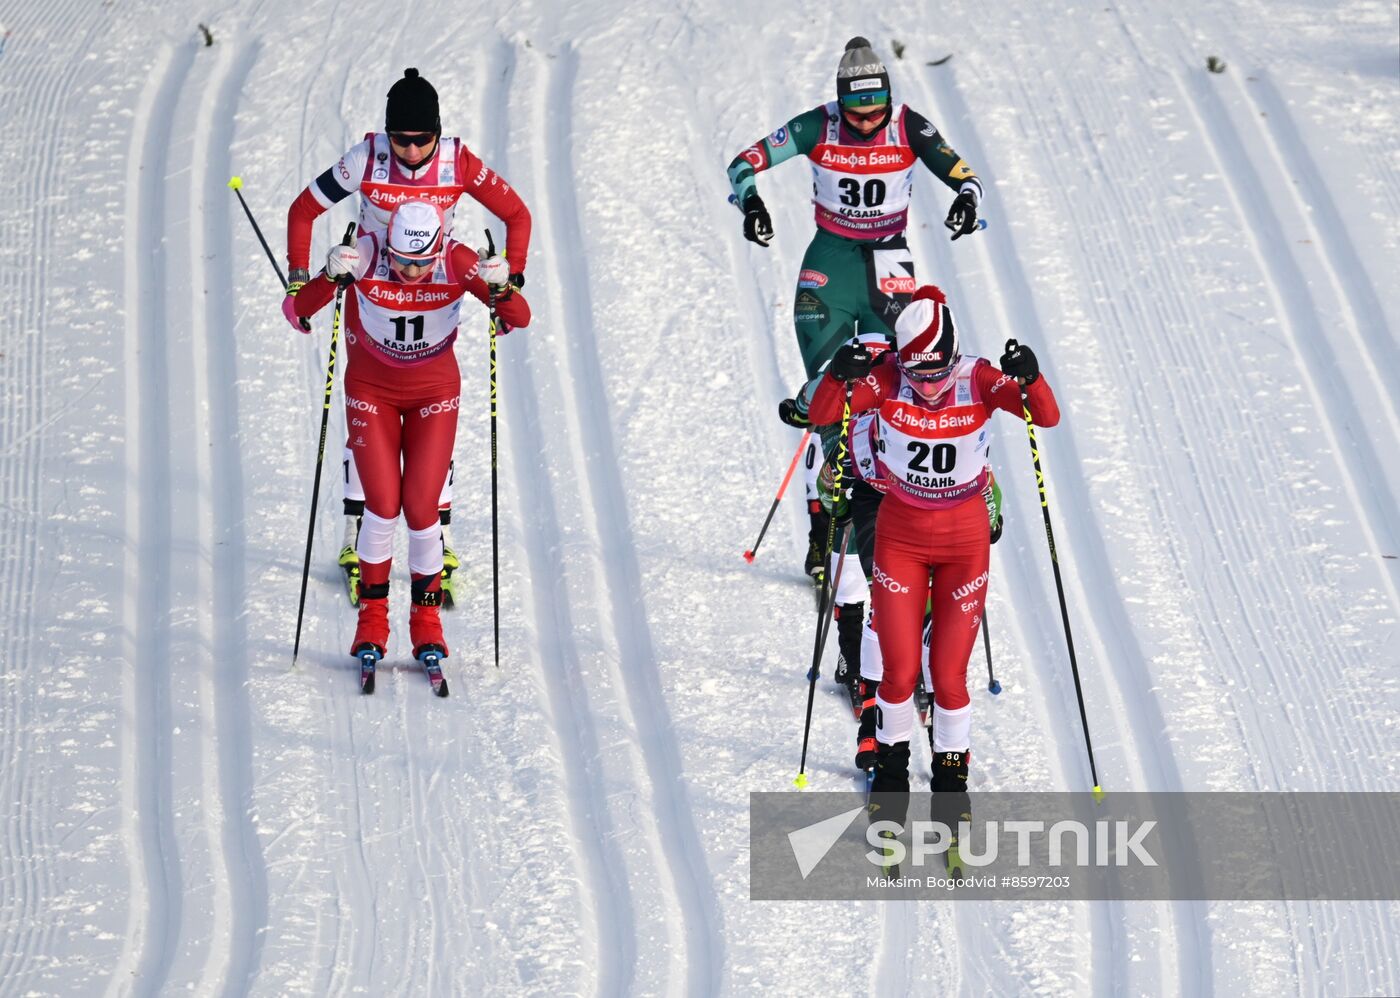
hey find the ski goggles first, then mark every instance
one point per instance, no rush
(410, 261)
(868, 98)
(420, 140)
(927, 377)
(862, 117)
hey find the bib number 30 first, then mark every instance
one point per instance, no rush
(851, 191)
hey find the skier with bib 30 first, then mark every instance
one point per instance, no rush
(863, 149)
(402, 387)
(410, 160)
(929, 443)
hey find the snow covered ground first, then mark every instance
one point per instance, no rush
(1205, 263)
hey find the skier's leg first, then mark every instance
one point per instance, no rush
(899, 592)
(959, 589)
(888, 285)
(823, 315)
(354, 508)
(375, 447)
(427, 453)
(865, 505)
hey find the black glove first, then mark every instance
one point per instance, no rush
(996, 529)
(518, 279)
(962, 216)
(790, 414)
(758, 227)
(851, 363)
(1019, 362)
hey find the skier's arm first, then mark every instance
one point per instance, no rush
(829, 400)
(797, 138)
(511, 307)
(1001, 390)
(500, 199)
(938, 157)
(331, 187)
(314, 295)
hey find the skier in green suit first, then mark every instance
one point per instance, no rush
(857, 271)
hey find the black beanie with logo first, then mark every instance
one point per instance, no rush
(413, 106)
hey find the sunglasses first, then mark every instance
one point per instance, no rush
(927, 377)
(421, 140)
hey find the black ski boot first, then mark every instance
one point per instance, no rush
(850, 621)
(865, 736)
(951, 803)
(889, 793)
(815, 565)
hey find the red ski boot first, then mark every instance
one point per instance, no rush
(425, 628)
(372, 630)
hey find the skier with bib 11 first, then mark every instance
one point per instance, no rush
(410, 160)
(863, 149)
(929, 443)
(402, 387)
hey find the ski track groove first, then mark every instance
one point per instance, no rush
(1309, 339)
(26, 874)
(155, 904)
(1109, 630)
(1105, 923)
(605, 883)
(686, 875)
(242, 887)
(1301, 321)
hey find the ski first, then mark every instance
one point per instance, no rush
(431, 657)
(369, 658)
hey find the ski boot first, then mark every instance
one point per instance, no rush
(450, 564)
(815, 565)
(865, 735)
(850, 621)
(951, 803)
(349, 559)
(371, 632)
(425, 631)
(889, 794)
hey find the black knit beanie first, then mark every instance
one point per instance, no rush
(413, 106)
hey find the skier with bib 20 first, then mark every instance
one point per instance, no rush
(863, 149)
(929, 443)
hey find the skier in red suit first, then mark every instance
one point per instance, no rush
(929, 443)
(401, 395)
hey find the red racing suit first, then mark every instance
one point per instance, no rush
(402, 387)
(932, 541)
(384, 183)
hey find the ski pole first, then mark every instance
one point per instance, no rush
(801, 445)
(321, 447)
(235, 184)
(828, 589)
(993, 687)
(823, 628)
(495, 522)
(1059, 583)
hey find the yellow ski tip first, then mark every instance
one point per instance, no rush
(1099, 795)
(234, 183)
(801, 782)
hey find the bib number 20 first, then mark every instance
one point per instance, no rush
(944, 456)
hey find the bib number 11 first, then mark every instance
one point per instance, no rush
(401, 324)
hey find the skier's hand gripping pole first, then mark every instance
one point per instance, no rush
(1059, 583)
(321, 447)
